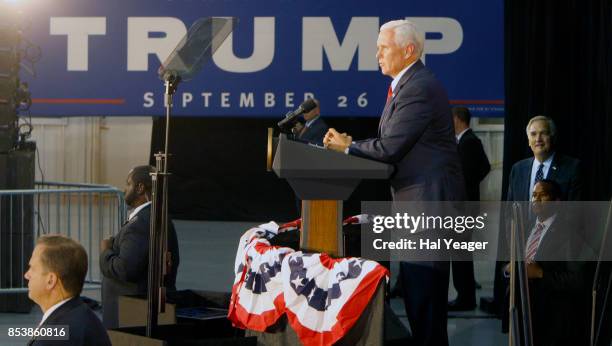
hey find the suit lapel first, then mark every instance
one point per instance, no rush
(526, 185)
(384, 117)
(468, 134)
(554, 168)
(57, 314)
(389, 106)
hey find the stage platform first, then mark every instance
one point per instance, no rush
(207, 252)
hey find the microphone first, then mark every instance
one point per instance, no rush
(286, 124)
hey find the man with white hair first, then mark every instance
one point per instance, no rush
(416, 135)
(545, 164)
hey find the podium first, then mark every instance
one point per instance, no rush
(322, 179)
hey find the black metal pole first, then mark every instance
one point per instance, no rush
(158, 231)
(518, 268)
(593, 335)
(152, 291)
(523, 278)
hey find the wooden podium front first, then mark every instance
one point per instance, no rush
(322, 179)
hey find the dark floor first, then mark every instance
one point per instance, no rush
(207, 256)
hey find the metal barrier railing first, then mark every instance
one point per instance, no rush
(87, 213)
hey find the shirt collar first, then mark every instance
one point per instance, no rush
(51, 309)
(399, 76)
(461, 134)
(309, 122)
(548, 221)
(546, 162)
(138, 209)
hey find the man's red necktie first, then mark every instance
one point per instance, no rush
(532, 245)
(389, 94)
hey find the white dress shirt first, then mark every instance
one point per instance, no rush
(137, 209)
(309, 122)
(461, 134)
(51, 309)
(397, 78)
(534, 169)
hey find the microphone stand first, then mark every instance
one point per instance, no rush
(159, 258)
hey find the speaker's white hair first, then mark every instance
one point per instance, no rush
(406, 32)
(551, 124)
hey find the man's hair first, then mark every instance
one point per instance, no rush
(554, 189)
(406, 32)
(551, 124)
(66, 258)
(142, 175)
(463, 114)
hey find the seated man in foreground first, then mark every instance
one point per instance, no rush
(55, 277)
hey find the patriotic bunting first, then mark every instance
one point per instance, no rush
(323, 297)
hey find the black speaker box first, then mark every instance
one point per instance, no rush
(16, 227)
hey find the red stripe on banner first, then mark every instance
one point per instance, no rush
(329, 262)
(350, 313)
(241, 318)
(291, 225)
(79, 101)
(262, 247)
(477, 102)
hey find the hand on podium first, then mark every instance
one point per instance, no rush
(337, 141)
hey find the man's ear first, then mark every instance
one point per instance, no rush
(140, 188)
(52, 280)
(409, 50)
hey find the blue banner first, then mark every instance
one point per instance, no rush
(101, 57)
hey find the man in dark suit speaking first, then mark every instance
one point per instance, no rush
(416, 135)
(55, 277)
(124, 259)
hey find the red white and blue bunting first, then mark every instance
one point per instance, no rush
(323, 297)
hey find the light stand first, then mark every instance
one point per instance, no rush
(192, 52)
(159, 257)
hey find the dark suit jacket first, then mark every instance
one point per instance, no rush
(564, 170)
(416, 134)
(315, 132)
(125, 265)
(474, 163)
(559, 300)
(84, 326)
